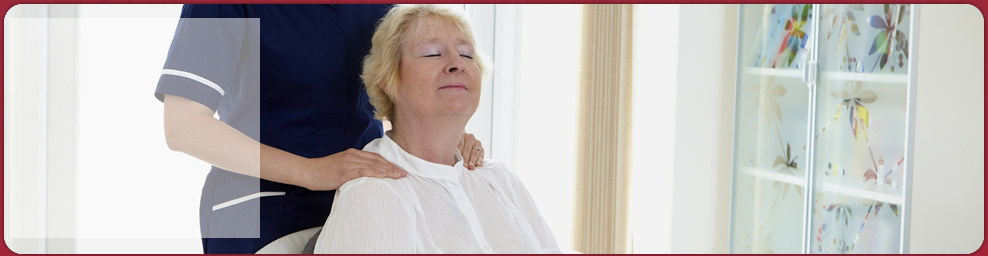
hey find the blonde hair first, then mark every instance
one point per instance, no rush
(381, 69)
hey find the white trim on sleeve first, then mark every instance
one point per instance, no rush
(195, 77)
(245, 198)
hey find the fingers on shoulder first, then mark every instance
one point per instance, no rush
(357, 155)
(361, 163)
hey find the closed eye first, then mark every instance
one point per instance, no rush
(433, 55)
(466, 56)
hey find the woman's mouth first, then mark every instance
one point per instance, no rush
(454, 86)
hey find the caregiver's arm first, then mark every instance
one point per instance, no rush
(191, 128)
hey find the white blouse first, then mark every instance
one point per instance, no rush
(435, 209)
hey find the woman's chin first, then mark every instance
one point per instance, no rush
(459, 105)
(465, 111)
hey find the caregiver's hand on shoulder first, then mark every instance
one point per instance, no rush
(330, 172)
(471, 150)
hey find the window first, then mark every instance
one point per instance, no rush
(130, 185)
(535, 93)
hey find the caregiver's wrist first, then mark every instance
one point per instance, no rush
(305, 176)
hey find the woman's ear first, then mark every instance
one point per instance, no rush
(389, 94)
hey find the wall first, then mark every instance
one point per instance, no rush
(948, 166)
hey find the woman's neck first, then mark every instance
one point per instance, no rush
(433, 141)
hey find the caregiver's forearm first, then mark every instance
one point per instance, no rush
(191, 128)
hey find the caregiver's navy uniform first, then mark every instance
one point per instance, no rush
(289, 80)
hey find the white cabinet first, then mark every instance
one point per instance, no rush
(823, 128)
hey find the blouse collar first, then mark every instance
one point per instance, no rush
(420, 167)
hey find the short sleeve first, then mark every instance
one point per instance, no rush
(523, 200)
(205, 53)
(369, 216)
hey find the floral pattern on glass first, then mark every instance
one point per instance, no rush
(891, 40)
(860, 110)
(885, 46)
(783, 36)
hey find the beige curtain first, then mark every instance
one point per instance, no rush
(603, 157)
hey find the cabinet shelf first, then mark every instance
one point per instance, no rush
(776, 72)
(843, 76)
(861, 193)
(824, 186)
(773, 176)
(867, 77)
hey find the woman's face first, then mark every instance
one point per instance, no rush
(438, 74)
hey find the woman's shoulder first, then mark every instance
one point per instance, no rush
(499, 170)
(495, 165)
(374, 145)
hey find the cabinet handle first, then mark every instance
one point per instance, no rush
(809, 73)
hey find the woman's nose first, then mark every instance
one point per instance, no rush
(455, 65)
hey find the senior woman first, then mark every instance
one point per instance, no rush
(424, 74)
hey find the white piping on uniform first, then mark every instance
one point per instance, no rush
(245, 198)
(195, 77)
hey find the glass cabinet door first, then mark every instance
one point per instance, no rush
(771, 109)
(859, 128)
